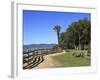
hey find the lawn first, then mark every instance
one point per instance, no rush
(68, 60)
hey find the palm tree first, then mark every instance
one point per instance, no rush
(57, 29)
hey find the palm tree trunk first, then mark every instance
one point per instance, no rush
(58, 39)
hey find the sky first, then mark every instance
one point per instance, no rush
(38, 25)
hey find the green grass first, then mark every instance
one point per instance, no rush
(68, 60)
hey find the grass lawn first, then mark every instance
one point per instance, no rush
(68, 60)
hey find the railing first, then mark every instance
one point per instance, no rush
(33, 58)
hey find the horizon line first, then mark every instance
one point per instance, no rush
(40, 43)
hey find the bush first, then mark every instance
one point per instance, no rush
(55, 47)
(78, 54)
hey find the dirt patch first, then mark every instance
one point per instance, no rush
(49, 62)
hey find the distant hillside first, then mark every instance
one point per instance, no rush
(35, 46)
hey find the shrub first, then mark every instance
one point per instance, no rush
(78, 53)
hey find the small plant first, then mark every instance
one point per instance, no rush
(78, 54)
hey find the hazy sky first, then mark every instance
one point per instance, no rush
(38, 25)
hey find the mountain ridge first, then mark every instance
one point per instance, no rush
(36, 46)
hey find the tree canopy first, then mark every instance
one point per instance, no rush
(77, 35)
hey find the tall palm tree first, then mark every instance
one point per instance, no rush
(57, 29)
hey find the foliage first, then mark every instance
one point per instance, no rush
(55, 47)
(79, 53)
(77, 35)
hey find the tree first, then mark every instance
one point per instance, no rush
(77, 35)
(57, 29)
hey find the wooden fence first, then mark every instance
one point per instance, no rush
(33, 58)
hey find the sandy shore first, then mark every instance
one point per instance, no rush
(49, 62)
